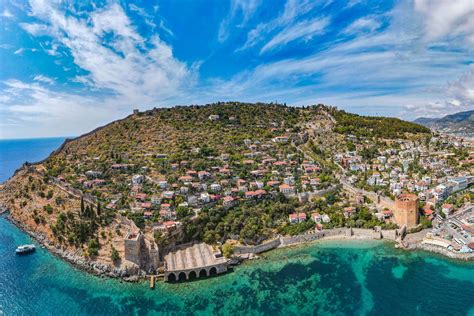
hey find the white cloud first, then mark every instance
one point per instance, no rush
(125, 64)
(447, 18)
(246, 8)
(292, 11)
(21, 51)
(7, 14)
(362, 25)
(304, 30)
(389, 71)
(462, 90)
(44, 79)
(33, 110)
(36, 29)
(120, 70)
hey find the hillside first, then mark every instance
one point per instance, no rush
(177, 173)
(459, 123)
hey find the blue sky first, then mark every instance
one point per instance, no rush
(68, 67)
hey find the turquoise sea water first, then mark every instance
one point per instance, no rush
(327, 278)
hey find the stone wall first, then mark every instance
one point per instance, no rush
(391, 234)
(239, 250)
(308, 237)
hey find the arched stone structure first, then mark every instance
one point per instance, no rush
(182, 276)
(202, 272)
(194, 261)
(171, 277)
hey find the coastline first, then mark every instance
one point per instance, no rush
(103, 270)
(465, 257)
(79, 262)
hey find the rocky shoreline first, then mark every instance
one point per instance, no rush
(135, 275)
(95, 268)
(442, 251)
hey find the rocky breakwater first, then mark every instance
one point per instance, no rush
(442, 251)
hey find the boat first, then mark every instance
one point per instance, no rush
(23, 249)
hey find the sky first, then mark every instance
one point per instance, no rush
(69, 67)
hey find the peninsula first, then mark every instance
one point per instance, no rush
(184, 192)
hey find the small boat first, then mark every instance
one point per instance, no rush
(24, 249)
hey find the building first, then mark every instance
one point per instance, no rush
(286, 189)
(447, 209)
(405, 212)
(316, 217)
(215, 187)
(325, 218)
(138, 179)
(133, 247)
(297, 218)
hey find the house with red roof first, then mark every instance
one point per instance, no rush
(349, 211)
(296, 218)
(286, 189)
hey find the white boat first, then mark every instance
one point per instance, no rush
(25, 249)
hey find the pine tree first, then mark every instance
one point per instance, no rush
(82, 206)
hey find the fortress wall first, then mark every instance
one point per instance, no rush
(238, 250)
(389, 234)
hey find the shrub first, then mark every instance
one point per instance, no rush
(48, 208)
(114, 255)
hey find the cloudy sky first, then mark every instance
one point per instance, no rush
(69, 67)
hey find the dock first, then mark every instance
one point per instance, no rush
(152, 282)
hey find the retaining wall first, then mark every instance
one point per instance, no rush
(239, 250)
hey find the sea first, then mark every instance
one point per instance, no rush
(352, 277)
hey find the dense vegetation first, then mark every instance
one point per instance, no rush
(162, 144)
(370, 126)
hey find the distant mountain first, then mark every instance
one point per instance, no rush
(461, 123)
(425, 121)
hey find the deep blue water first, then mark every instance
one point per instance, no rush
(327, 278)
(14, 152)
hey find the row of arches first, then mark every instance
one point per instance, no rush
(191, 275)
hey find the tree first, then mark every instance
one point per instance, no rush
(82, 205)
(98, 208)
(93, 247)
(228, 249)
(114, 255)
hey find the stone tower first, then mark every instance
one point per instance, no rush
(134, 247)
(406, 210)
